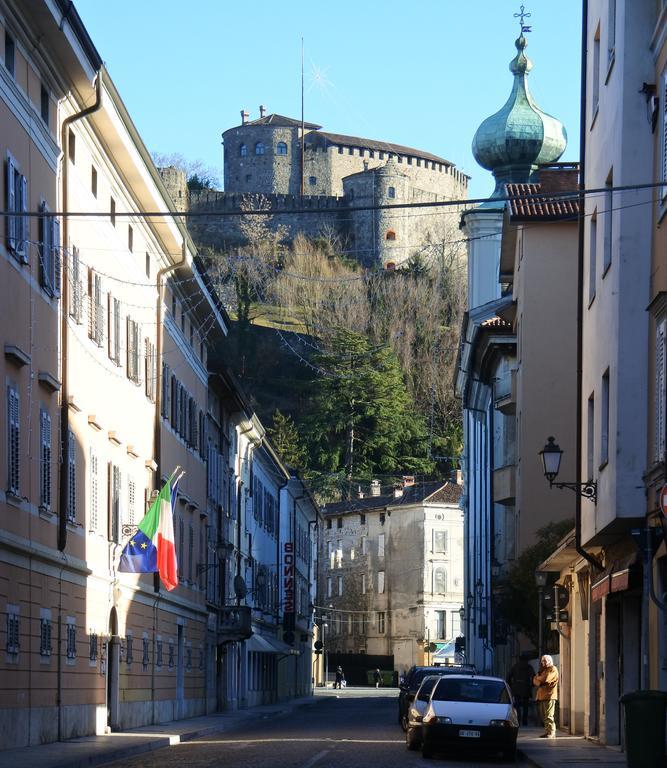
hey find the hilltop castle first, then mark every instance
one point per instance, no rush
(272, 157)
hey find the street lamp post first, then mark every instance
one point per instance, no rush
(551, 455)
(541, 581)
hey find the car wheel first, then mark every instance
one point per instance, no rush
(404, 722)
(410, 741)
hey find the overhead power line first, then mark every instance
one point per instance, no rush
(538, 196)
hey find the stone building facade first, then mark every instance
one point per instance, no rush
(326, 177)
(390, 577)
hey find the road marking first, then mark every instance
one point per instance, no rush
(315, 758)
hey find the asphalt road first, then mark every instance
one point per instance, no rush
(352, 730)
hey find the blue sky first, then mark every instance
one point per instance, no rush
(423, 73)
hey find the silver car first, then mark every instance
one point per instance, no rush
(413, 733)
(474, 711)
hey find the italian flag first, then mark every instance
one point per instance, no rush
(152, 546)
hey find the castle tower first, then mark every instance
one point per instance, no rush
(512, 144)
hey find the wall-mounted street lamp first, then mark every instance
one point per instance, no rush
(223, 549)
(551, 455)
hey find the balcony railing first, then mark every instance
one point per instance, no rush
(234, 623)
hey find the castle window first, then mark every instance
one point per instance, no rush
(351, 150)
(391, 235)
(340, 150)
(419, 163)
(259, 148)
(281, 148)
(381, 155)
(409, 161)
(390, 266)
(243, 150)
(312, 180)
(371, 153)
(391, 192)
(248, 177)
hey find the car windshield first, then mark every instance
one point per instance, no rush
(426, 688)
(419, 674)
(473, 689)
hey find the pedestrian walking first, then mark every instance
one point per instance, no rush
(546, 681)
(520, 680)
(377, 677)
(340, 677)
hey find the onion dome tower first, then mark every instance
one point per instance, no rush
(518, 138)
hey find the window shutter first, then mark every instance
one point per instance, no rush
(660, 391)
(11, 204)
(91, 303)
(44, 250)
(131, 501)
(664, 137)
(76, 297)
(22, 224)
(56, 260)
(111, 336)
(13, 441)
(71, 490)
(99, 312)
(94, 492)
(165, 390)
(45, 459)
(137, 353)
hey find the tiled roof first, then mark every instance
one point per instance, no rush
(274, 119)
(324, 139)
(529, 203)
(496, 322)
(436, 491)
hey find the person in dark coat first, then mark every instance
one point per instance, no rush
(520, 680)
(339, 678)
(377, 677)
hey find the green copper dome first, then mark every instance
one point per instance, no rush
(520, 136)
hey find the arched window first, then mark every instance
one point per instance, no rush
(281, 148)
(391, 235)
(391, 192)
(259, 148)
(243, 150)
(390, 266)
(439, 580)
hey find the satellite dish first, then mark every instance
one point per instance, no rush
(240, 588)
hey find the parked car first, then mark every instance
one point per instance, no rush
(471, 711)
(412, 681)
(413, 733)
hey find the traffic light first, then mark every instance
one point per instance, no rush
(460, 645)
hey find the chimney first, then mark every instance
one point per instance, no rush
(398, 491)
(376, 489)
(262, 110)
(244, 116)
(360, 493)
(408, 480)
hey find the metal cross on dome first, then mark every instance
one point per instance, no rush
(521, 16)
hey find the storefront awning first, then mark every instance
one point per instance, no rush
(615, 577)
(267, 644)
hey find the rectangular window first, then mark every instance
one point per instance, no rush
(339, 553)
(131, 501)
(13, 641)
(96, 310)
(129, 656)
(363, 583)
(329, 587)
(191, 550)
(16, 204)
(71, 478)
(608, 221)
(381, 545)
(380, 582)
(590, 439)
(76, 294)
(10, 54)
(381, 625)
(112, 211)
(362, 519)
(93, 180)
(44, 459)
(93, 644)
(339, 523)
(312, 180)
(13, 442)
(71, 146)
(440, 624)
(595, 93)
(133, 350)
(158, 653)
(94, 491)
(145, 658)
(44, 100)
(340, 586)
(71, 638)
(114, 502)
(659, 432)
(604, 419)
(150, 371)
(363, 545)
(440, 542)
(49, 252)
(113, 324)
(45, 646)
(592, 255)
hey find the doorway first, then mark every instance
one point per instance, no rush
(113, 673)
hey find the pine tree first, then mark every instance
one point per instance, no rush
(284, 436)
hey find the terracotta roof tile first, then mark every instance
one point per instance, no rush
(529, 203)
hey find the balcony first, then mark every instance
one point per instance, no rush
(234, 623)
(504, 485)
(504, 392)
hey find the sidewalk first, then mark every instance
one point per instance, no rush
(88, 751)
(565, 750)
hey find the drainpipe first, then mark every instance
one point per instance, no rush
(580, 288)
(64, 312)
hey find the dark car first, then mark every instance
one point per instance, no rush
(413, 680)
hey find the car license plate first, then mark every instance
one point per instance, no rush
(470, 734)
